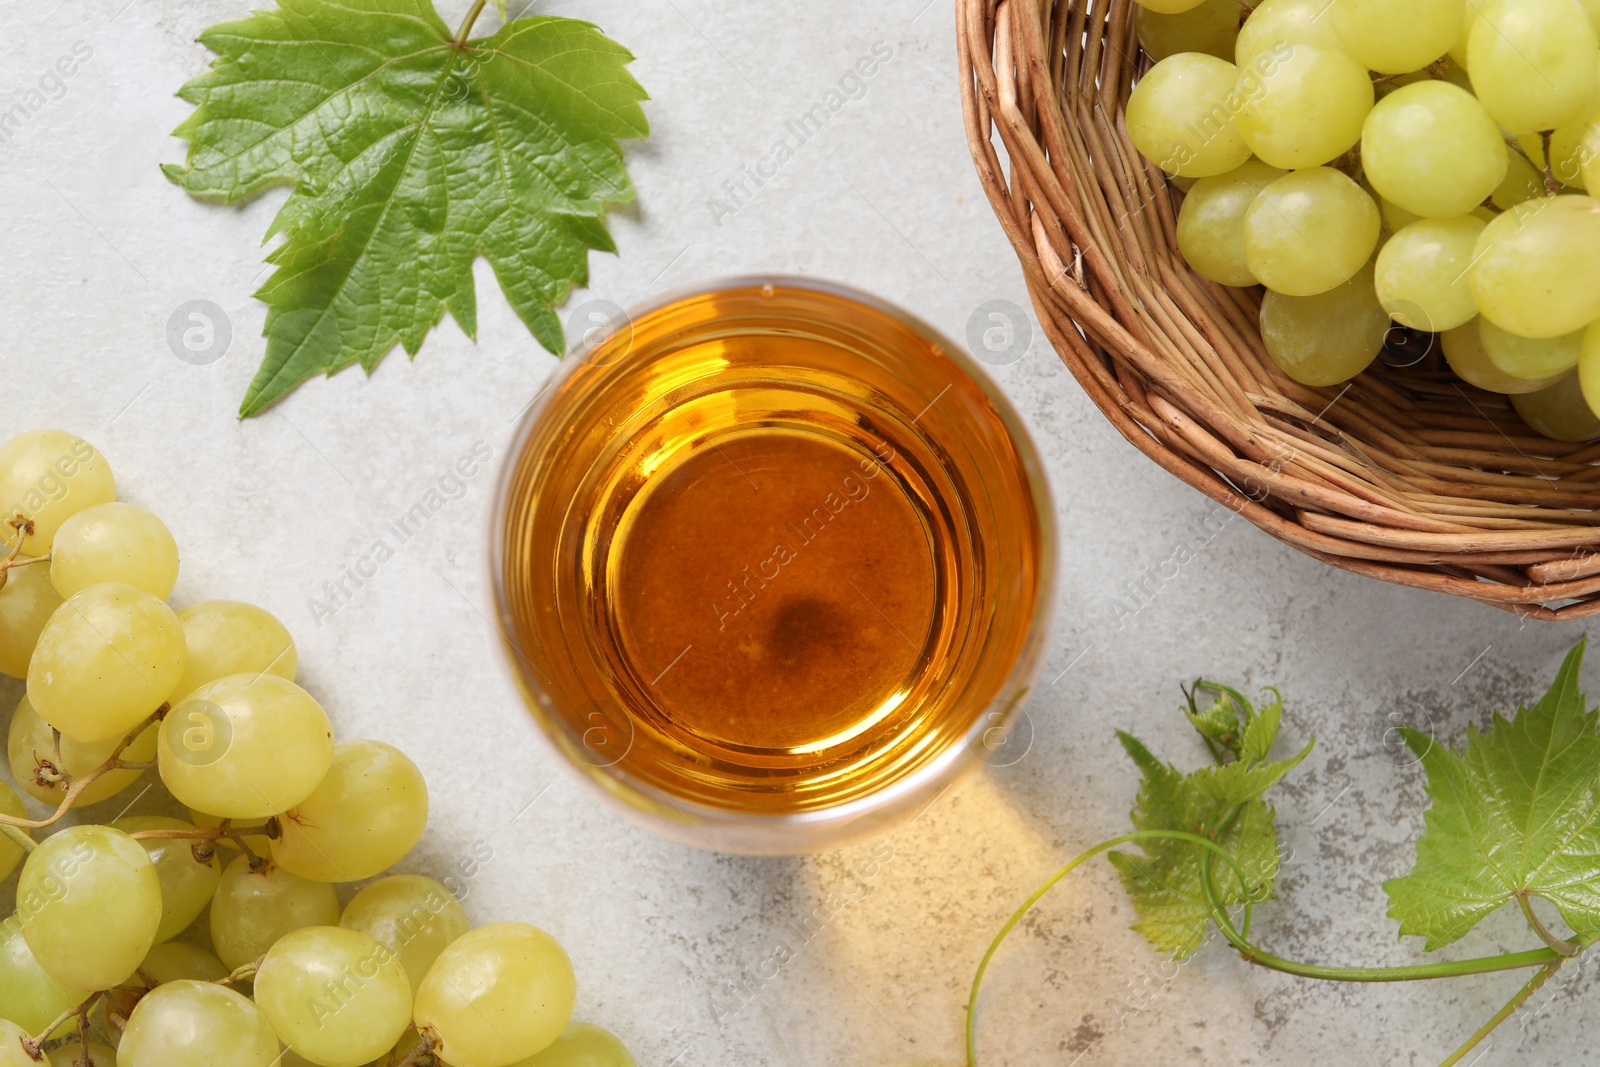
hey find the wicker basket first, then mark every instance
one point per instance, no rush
(1408, 475)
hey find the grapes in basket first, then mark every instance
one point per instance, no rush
(106, 960)
(1426, 163)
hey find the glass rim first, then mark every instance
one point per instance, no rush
(1013, 692)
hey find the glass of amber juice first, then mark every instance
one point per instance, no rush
(773, 562)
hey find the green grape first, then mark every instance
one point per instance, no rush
(1464, 351)
(1209, 28)
(1432, 149)
(107, 659)
(414, 916)
(187, 884)
(114, 542)
(197, 1024)
(90, 903)
(30, 741)
(1530, 358)
(1471, 12)
(1567, 152)
(49, 476)
(1534, 63)
(497, 994)
(1522, 183)
(172, 961)
(1536, 271)
(1421, 274)
(245, 746)
(168, 961)
(1304, 110)
(1181, 116)
(1168, 7)
(1309, 232)
(362, 818)
(1397, 36)
(1329, 338)
(1589, 367)
(1559, 412)
(10, 851)
(27, 600)
(336, 997)
(583, 1045)
(252, 909)
(1589, 158)
(1211, 222)
(230, 637)
(260, 844)
(12, 1052)
(32, 999)
(1277, 24)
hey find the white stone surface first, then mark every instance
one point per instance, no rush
(99, 250)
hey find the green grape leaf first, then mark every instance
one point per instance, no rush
(1516, 814)
(1262, 730)
(1218, 723)
(1241, 781)
(1165, 884)
(409, 157)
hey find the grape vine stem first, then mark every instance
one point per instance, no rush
(34, 1046)
(24, 526)
(1547, 958)
(1564, 948)
(242, 972)
(466, 23)
(1551, 186)
(1504, 1013)
(76, 785)
(26, 843)
(201, 833)
(423, 1051)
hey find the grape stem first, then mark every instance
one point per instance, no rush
(203, 836)
(202, 833)
(1504, 1013)
(26, 843)
(466, 23)
(34, 1046)
(76, 785)
(240, 973)
(83, 1041)
(24, 526)
(422, 1055)
(1551, 186)
(1547, 958)
(1563, 948)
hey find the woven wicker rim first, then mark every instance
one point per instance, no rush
(1410, 475)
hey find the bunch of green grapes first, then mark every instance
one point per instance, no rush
(1424, 163)
(118, 683)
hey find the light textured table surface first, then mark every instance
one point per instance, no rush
(98, 250)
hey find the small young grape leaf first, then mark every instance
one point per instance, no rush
(409, 156)
(1223, 802)
(1220, 723)
(1516, 814)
